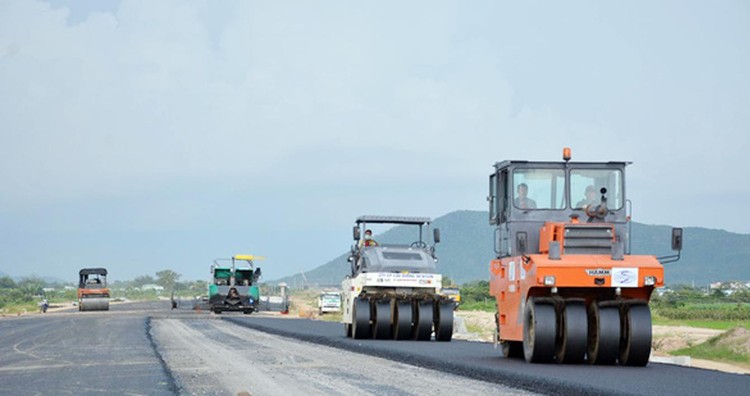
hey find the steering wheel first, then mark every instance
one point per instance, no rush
(418, 244)
(596, 211)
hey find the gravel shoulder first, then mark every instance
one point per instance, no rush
(214, 357)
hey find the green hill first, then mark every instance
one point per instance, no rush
(466, 249)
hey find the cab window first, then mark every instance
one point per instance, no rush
(539, 189)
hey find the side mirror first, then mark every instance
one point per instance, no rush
(436, 235)
(350, 259)
(355, 233)
(677, 239)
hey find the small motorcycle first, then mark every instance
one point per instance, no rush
(43, 306)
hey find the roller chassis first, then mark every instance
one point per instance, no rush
(385, 300)
(93, 294)
(569, 291)
(413, 310)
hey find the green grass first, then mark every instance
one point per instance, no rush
(702, 323)
(488, 306)
(710, 351)
(15, 308)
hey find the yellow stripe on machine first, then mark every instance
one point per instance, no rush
(248, 257)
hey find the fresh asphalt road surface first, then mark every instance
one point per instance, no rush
(208, 356)
(75, 353)
(147, 349)
(482, 361)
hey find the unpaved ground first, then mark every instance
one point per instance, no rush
(213, 357)
(480, 327)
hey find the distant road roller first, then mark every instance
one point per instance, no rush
(393, 291)
(93, 294)
(567, 288)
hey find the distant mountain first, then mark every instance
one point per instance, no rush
(466, 248)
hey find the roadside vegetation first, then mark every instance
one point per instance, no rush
(26, 294)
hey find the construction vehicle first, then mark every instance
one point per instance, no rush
(93, 294)
(234, 287)
(454, 294)
(393, 291)
(567, 288)
(328, 302)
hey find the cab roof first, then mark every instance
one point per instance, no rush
(393, 220)
(506, 163)
(93, 271)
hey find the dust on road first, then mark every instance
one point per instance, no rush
(214, 357)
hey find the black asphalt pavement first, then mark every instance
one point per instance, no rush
(82, 353)
(481, 361)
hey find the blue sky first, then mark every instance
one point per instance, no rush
(149, 135)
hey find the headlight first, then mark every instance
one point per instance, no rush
(549, 280)
(649, 280)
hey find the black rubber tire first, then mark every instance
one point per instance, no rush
(444, 321)
(572, 338)
(539, 332)
(402, 320)
(604, 334)
(382, 320)
(348, 330)
(511, 349)
(423, 312)
(361, 319)
(635, 344)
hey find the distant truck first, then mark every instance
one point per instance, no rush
(329, 302)
(454, 294)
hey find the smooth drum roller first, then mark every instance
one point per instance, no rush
(94, 304)
(444, 321)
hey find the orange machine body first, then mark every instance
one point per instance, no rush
(567, 287)
(592, 277)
